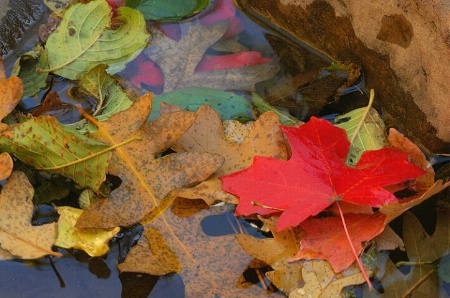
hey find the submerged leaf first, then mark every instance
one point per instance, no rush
(162, 10)
(179, 59)
(263, 106)
(83, 39)
(45, 144)
(227, 104)
(17, 235)
(93, 241)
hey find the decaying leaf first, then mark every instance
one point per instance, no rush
(235, 131)
(420, 247)
(145, 180)
(179, 59)
(93, 241)
(84, 39)
(210, 265)
(276, 252)
(389, 240)
(47, 145)
(321, 281)
(17, 235)
(6, 165)
(207, 135)
(11, 90)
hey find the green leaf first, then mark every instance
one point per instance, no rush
(369, 137)
(111, 98)
(163, 10)
(263, 106)
(45, 144)
(58, 6)
(227, 104)
(83, 39)
(25, 69)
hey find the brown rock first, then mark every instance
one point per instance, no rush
(402, 45)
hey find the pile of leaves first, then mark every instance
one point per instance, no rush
(324, 191)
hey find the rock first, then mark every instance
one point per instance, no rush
(402, 45)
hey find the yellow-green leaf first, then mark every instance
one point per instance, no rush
(84, 39)
(45, 144)
(93, 241)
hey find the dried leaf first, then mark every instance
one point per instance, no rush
(73, 50)
(179, 59)
(93, 241)
(11, 90)
(389, 240)
(17, 235)
(47, 145)
(207, 135)
(235, 131)
(145, 180)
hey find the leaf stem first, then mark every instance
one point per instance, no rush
(363, 119)
(363, 272)
(254, 203)
(417, 284)
(92, 155)
(405, 263)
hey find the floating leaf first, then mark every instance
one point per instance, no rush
(25, 68)
(83, 39)
(93, 241)
(369, 137)
(263, 106)
(227, 104)
(45, 144)
(11, 90)
(145, 179)
(58, 6)
(207, 135)
(168, 11)
(17, 235)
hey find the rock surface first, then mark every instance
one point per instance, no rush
(403, 46)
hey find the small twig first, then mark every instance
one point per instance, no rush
(254, 203)
(417, 284)
(363, 272)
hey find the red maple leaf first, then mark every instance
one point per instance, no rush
(316, 175)
(326, 238)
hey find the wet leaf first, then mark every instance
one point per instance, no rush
(210, 265)
(389, 240)
(51, 102)
(369, 137)
(6, 165)
(207, 135)
(235, 131)
(93, 241)
(168, 11)
(45, 144)
(11, 90)
(326, 238)
(420, 247)
(316, 175)
(145, 179)
(276, 252)
(179, 59)
(50, 190)
(58, 6)
(111, 98)
(83, 39)
(321, 281)
(25, 68)
(227, 104)
(17, 235)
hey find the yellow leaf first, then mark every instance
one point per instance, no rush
(93, 241)
(17, 235)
